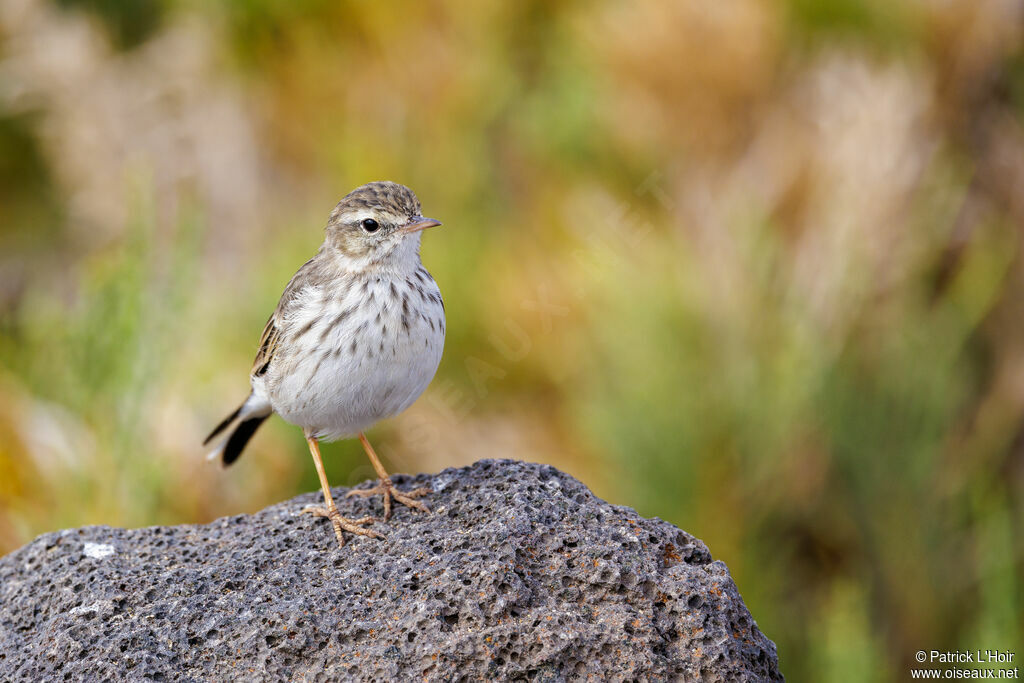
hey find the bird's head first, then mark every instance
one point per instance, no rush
(377, 223)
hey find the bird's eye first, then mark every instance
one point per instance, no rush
(370, 225)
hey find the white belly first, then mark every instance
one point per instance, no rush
(365, 358)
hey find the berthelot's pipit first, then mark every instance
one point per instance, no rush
(356, 338)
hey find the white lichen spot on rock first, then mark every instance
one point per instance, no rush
(98, 551)
(84, 609)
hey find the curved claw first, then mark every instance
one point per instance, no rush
(340, 524)
(388, 490)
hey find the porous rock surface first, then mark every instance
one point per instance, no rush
(519, 573)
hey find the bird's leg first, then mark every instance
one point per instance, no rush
(329, 510)
(386, 487)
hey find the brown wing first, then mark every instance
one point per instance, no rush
(268, 345)
(311, 273)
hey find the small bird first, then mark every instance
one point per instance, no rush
(356, 338)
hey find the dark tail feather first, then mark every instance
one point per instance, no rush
(236, 442)
(224, 424)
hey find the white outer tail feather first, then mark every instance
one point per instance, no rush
(254, 406)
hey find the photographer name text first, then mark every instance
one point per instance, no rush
(967, 656)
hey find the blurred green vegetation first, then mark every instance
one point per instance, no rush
(751, 267)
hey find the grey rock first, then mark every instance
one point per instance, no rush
(519, 573)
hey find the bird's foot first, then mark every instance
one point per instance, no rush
(385, 487)
(340, 524)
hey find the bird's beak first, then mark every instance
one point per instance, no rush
(419, 223)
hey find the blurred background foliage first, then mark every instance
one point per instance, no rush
(753, 267)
